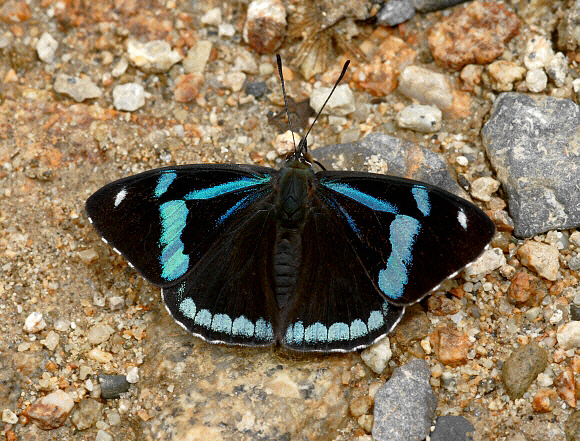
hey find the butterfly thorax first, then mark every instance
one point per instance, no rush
(295, 187)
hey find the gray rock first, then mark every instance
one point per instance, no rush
(452, 428)
(79, 89)
(112, 386)
(405, 405)
(522, 367)
(434, 5)
(533, 143)
(381, 153)
(395, 12)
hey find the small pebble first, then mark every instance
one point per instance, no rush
(103, 436)
(226, 30)
(51, 411)
(116, 303)
(265, 25)
(536, 80)
(483, 188)
(46, 47)
(421, 118)
(541, 258)
(568, 335)
(378, 355)
(133, 374)
(490, 260)
(538, 52)
(9, 417)
(234, 81)
(197, 57)
(128, 97)
(99, 355)
(99, 333)
(341, 102)
(112, 386)
(154, 56)
(86, 414)
(34, 323)
(522, 367)
(120, 67)
(79, 89)
(187, 87)
(88, 256)
(85, 371)
(213, 17)
(256, 88)
(51, 341)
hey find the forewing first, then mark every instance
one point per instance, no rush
(409, 236)
(164, 221)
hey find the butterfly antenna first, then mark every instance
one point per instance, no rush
(302, 144)
(279, 61)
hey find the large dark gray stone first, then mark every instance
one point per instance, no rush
(405, 405)
(533, 143)
(400, 158)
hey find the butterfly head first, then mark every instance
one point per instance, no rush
(300, 154)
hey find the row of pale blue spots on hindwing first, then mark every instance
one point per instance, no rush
(403, 231)
(298, 335)
(173, 214)
(239, 327)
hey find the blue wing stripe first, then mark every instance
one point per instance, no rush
(361, 197)
(422, 199)
(174, 262)
(394, 278)
(226, 187)
(164, 182)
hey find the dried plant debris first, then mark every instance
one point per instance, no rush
(325, 26)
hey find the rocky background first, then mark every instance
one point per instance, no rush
(480, 98)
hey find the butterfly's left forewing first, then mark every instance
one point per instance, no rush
(409, 236)
(146, 217)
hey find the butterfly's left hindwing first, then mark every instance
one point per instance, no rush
(163, 221)
(410, 236)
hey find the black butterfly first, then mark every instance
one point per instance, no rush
(321, 261)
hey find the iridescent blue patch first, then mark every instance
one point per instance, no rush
(221, 323)
(361, 197)
(316, 332)
(263, 330)
(243, 326)
(164, 182)
(394, 278)
(188, 308)
(203, 318)
(338, 332)
(174, 263)
(227, 187)
(422, 199)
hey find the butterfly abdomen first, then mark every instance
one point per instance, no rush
(287, 259)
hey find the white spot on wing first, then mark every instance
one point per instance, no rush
(120, 196)
(462, 219)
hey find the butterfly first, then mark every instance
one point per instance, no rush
(309, 260)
